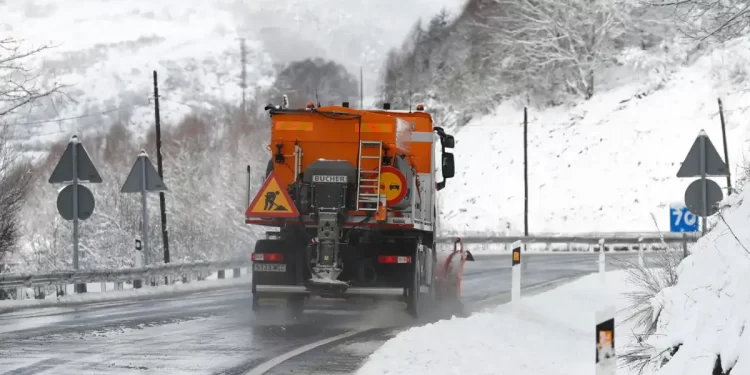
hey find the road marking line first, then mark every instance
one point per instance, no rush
(268, 365)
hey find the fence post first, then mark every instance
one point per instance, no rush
(684, 245)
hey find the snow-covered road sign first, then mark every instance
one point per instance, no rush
(702, 161)
(75, 202)
(714, 165)
(142, 179)
(681, 220)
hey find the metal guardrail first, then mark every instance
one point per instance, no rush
(584, 238)
(8, 281)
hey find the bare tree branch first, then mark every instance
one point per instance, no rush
(19, 87)
(18, 84)
(709, 19)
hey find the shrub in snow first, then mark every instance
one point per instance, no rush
(701, 322)
(647, 304)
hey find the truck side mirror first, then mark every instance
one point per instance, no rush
(449, 166)
(449, 141)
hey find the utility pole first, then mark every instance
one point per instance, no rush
(162, 200)
(243, 74)
(525, 173)
(726, 150)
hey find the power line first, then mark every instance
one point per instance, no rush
(77, 117)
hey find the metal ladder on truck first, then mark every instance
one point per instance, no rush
(369, 179)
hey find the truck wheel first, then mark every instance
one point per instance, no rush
(413, 300)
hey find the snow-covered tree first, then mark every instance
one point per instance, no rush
(702, 19)
(205, 158)
(554, 45)
(19, 87)
(302, 80)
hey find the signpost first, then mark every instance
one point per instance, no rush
(75, 201)
(143, 178)
(703, 161)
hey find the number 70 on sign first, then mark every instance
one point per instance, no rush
(682, 220)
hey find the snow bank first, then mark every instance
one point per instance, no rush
(550, 333)
(707, 310)
(116, 295)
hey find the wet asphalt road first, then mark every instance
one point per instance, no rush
(217, 333)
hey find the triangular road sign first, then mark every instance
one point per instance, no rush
(272, 201)
(86, 170)
(134, 182)
(691, 167)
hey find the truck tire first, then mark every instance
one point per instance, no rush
(413, 296)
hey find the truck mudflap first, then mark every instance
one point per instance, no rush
(449, 272)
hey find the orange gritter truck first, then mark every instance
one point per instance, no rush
(354, 195)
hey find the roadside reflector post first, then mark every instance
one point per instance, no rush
(138, 263)
(641, 262)
(601, 256)
(515, 287)
(606, 358)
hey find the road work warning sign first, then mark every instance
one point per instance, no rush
(272, 201)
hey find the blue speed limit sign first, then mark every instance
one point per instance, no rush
(681, 219)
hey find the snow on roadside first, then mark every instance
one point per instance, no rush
(550, 333)
(115, 295)
(707, 310)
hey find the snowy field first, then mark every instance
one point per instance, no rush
(547, 334)
(606, 164)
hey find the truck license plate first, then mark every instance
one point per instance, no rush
(263, 267)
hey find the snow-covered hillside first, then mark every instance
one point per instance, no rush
(108, 50)
(606, 164)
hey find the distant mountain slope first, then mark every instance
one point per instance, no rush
(108, 50)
